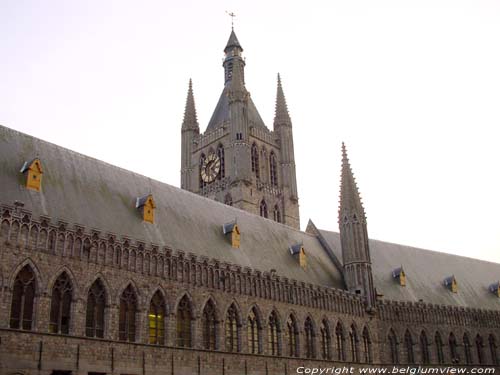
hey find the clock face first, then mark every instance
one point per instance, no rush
(210, 168)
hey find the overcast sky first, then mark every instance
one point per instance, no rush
(412, 87)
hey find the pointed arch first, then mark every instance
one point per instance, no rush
(410, 357)
(309, 337)
(23, 298)
(292, 331)
(61, 303)
(202, 183)
(263, 208)
(222, 158)
(367, 346)
(71, 276)
(277, 213)
(325, 339)
(96, 307)
(467, 349)
(393, 346)
(232, 328)
(439, 347)
(156, 319)
(493, 349)
(36, 272)
(209, 325)
(128, 314)
(424, 348)
(255, 161)
(273, 334)
(184, 321)
(354, 343)
(480, 349)
(453, 346)
(273, 169)
(254, 330)
(340, 341)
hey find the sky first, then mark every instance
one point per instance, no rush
(411, 87)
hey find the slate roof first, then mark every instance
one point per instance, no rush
(222, 115)
(81, 190)
(425, 274)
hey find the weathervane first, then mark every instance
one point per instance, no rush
(232, 15)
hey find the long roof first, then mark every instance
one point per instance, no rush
(85, 191)
(425, 272)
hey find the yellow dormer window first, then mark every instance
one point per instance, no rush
(233, 231)
(302, 258)
(146, 206)
(451, 283)
(399, 275)
(495, 288)
(402, 278)
(298, 251)
(34, 172)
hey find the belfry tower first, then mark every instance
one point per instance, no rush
(354, 237)
(238, 160)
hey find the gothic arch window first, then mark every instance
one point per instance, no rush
(340, 338)
(23, 299)
(156, 319)
(232, 331)
(60, 306)
(255, 161)
(467, 349)
(479, 349)
(452, 343)
(424, 348)
(263, 208)
(439, 348)
(220, 154)
(228, 199)
(128, 311)
(493, 349)
(253, 331)
(325, 340)
(273, 334)
(410, 358)
(273, 169)
(96, 304)
(292, 333)
(393, 346)
(277, 213)
(367, 346)
(309, 338)
(184, 316)
(202, 161)
(353, 339)
(209, 326)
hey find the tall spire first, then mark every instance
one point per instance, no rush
(233, 42)
(233, 58)
(350, 201)
(190, 119)
(281, 116)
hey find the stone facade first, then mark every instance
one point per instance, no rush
(86, 255)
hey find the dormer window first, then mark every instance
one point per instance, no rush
(399, 275)
(451, 283)
(232, 231)
(146, 207)
(34, 172)
(495, 288)
(299, 253)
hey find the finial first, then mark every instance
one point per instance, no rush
(232, 15)
(190, 84)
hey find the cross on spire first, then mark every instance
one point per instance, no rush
(232, 15)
